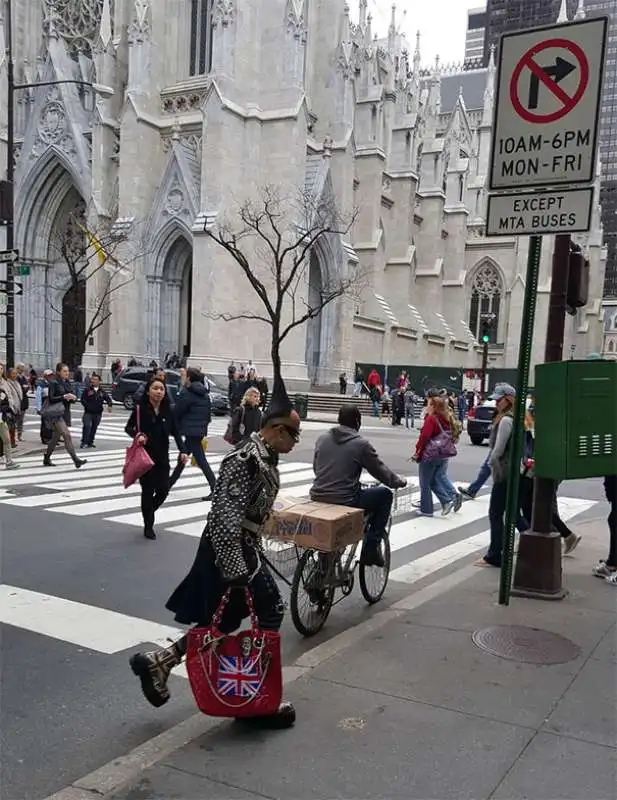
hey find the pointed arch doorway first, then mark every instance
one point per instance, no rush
(177, 300)
(74, 324)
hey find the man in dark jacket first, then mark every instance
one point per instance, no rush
(236, 391)
(340, 456)
(93, 399)
(193, 412)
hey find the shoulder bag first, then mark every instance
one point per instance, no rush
(137, 462)
(236, 675)
(439, 447)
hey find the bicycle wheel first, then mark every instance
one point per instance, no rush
(311, 600)
(373, 580)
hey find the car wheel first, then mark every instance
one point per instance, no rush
(477, 440)
(129, 401)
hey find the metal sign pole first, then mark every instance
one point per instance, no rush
(524, 362)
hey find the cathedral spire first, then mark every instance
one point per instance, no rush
(489, 91)
(363, 11)
(416, 55)
(346, 31)
(563, 13)
(392, 30)
(580, 10)
(368, 36)
(105, 26)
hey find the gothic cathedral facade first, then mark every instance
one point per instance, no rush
(213, 99)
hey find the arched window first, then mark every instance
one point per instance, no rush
(201, 37)
(486, 290)
(611, 346)
(615, 322)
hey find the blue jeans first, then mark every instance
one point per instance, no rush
(410, 414)
(377, 502)
(434, 478)
(193, 445)
(483, 476)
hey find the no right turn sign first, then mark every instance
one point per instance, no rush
(547, 106)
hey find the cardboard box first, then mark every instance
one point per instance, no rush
(318, 526)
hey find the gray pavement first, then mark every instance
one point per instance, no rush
(416, 711)
(81, 589)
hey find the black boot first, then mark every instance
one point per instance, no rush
(79, 462)
(149, 533)
(153, 670)
(371, 555)
(282, 719)
(47, 462)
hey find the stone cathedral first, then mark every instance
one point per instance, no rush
(214, 98)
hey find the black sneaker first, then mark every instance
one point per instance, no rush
(458, 502)
(466, 493)
(47, 462)
(80, 462)
(282, 719)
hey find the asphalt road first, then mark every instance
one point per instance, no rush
(72, 554)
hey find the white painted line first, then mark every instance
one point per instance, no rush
(420, 528)
(127, 501)
(83, 625)
(432, 562)
(165, 515)
(61, 456)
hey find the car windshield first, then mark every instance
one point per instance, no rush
(212, 384)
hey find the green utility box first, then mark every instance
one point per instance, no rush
(301, 405)
(576, 419)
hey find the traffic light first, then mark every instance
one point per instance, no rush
(485, 330)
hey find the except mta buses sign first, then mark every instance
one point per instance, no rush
(536, 213)
(549, 86)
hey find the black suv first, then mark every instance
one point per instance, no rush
(130, 379)
(480, 422)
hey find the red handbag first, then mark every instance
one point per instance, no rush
(236, 675)
(136, 461)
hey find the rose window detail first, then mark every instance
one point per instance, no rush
(76, 21)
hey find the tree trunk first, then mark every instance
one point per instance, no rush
(275, 352)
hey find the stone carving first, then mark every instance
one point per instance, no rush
(53, 123)
(183, 102)
(139, 29)
(223, 12)
(487, 282)
(175, 201)
(386, 184)
(296, 24)
(75, 21)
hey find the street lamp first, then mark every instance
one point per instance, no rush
(6, 189)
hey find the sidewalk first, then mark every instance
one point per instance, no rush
(415, 710)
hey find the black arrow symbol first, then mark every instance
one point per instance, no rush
(558, 72)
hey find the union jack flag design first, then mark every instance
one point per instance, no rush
(238, 677)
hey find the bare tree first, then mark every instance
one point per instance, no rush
(91, 261)
(271, 240)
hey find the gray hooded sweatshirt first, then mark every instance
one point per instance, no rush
(340, 456)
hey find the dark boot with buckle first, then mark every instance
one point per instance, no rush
(153, 670)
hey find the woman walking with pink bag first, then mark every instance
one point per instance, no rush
(150, 425)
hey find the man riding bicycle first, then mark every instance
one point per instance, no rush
(340, 456)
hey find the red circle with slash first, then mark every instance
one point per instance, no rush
(528, 62)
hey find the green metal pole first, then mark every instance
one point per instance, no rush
(524, 361)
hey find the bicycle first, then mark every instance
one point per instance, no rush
(318, 575)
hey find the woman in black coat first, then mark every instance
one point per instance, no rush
(152, 422)
(246, 419)
(56, 412)
(194, 413)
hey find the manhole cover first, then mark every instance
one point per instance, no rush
(529, 645)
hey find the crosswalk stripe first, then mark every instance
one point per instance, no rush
(80, 624)
(432, 562)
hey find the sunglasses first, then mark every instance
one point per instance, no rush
(293, 432)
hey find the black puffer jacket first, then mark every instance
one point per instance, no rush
(193, 410)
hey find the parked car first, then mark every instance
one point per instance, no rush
(480, 422)
(219, 400)
(130, 379)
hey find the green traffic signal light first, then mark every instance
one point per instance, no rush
(486, 339)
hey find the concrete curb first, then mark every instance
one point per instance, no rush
(113, 776)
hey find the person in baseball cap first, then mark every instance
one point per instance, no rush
(503, 390)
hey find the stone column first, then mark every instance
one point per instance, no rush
(170, 316)
(153, 316)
